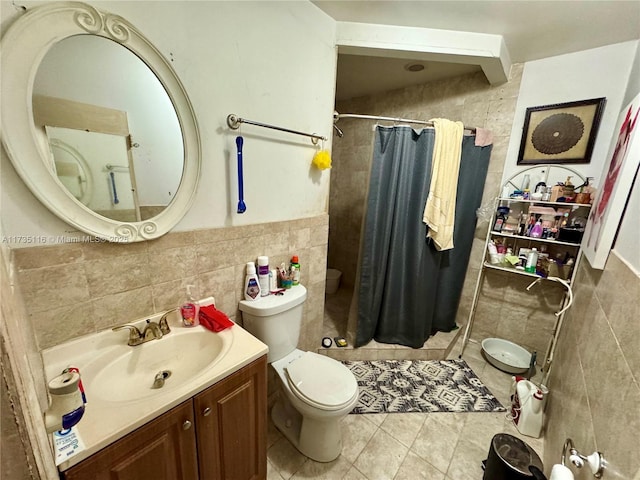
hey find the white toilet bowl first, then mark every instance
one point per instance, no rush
(318, 392)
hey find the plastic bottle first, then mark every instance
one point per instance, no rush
(190, 309)
(251, 283)
(499, 223)
(569, 188)
(263, 275)
(295, 269)
(536, 230)
(532, 261)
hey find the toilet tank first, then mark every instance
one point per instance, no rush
(276, 320)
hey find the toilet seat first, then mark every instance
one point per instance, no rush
(321, 382)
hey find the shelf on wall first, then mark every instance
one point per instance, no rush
(542, 240)
(544, 202)
(512, 270)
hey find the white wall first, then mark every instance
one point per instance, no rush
(626, 245)
(269, 61)
(599, 72)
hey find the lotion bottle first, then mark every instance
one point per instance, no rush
(190, 309)
(251, 283)
(263, 275)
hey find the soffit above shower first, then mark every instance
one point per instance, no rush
(529, 30)
(360, 75)
(532, 29)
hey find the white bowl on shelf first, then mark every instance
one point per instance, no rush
(505, 355)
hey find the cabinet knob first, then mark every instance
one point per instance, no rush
(206, 412)
(186, 425)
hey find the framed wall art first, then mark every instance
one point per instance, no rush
(616, 182)
(560, 133)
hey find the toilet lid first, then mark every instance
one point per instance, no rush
(321, 380)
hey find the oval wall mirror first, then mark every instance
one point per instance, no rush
(96, 122)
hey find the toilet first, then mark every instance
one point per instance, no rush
(318, 391)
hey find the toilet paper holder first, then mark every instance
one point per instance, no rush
(596, 460)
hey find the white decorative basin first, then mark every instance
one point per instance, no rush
(505, 355)
(127, 374)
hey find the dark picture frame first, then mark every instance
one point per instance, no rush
(560, 133)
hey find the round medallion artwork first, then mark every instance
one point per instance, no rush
(557, 133)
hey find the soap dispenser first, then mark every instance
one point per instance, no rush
(190, 309)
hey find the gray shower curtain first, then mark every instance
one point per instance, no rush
(408, 290)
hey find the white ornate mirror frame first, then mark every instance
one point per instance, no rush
(24, 45)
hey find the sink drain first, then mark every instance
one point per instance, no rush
(161, 376)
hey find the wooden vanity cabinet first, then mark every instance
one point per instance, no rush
(219, 434)
(163, 449)
(231, 426)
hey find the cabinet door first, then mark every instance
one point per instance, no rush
(163, 449)
(231, 421)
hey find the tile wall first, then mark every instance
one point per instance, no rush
(595, 380)
(507, 310)
(78, 288)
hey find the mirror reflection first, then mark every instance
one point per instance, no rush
(112, 132)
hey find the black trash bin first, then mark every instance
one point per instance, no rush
(510, 458)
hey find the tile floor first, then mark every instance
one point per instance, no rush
(407, 446)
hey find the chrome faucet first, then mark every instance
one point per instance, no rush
(135, 336)
(163, 323)
(152, 331)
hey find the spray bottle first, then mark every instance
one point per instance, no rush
(295, 270)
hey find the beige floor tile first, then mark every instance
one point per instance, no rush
(404, 427)
(406, 446)
(323, 471)
(354, 474)
(437, 441)
(376, 418)
(415, 468)
(357, 430)
(382, 457)
(481, 427)
(272, 472)
(454, 421)
(466, 463)
(498, 382)
(273, 434)
(285, 458)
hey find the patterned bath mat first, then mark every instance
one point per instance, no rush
(391, 386)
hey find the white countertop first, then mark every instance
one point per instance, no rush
(105, 422)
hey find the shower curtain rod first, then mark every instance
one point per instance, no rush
(337, 116)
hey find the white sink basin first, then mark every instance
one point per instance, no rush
(127, 374)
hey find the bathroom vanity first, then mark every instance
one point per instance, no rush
(218, 433)
(206, 421)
